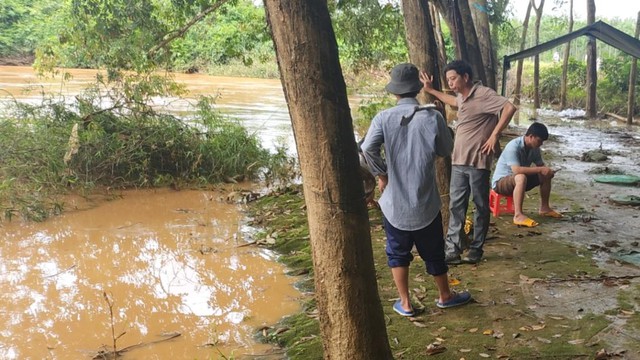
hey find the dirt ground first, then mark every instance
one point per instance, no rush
(594, 227)
(567, 289)
(593, 222)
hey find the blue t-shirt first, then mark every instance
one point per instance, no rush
(515, 153)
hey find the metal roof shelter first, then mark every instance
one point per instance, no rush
(600, 30)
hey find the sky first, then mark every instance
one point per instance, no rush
(623, 9)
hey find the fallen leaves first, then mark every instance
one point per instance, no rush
(528, 280)
(535, 327)
(434, 349)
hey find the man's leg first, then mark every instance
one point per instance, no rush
(459, 195)
(519, 190)
(442, 283)
(401, 279)
(399, 245)
(429, 242)
(545, 193)
(479, 180)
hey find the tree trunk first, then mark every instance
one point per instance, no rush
(457, 15)
(442, 51)
(565, 62)
(592, 71)
(421, 41)
(472, 43)
(479, 11)
(632, 80)
(451, 13)
(525, 28)
(536, 58)
(351, 318)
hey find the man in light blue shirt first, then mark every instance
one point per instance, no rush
(514, 175)
(412, 137)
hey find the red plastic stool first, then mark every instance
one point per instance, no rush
(497, 207)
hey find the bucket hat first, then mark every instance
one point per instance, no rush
(404, 79)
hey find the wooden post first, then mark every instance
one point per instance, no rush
(632, 79)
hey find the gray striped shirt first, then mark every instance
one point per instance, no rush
(411, 200)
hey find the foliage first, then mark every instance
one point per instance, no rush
(613, 84)
(384, 44)
(237, 32)
(115, 34)
(30, 170)
(21, 27)
(551, 80)
(368, 109)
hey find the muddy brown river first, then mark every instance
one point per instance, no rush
(170, 263)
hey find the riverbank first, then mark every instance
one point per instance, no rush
(560, 290)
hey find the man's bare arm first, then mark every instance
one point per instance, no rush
(427, 80)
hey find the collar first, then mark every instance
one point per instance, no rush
(476, 84)
(410, 101)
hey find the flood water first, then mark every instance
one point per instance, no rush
(258, 103)
(169, 262)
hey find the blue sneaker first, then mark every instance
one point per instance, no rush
(397, 307)
(457, 299)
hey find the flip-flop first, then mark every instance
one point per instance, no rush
(528, 222)
(552, 214)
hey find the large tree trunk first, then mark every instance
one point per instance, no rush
(632, 80)
(565, 62)
(473, 46)
(525, 28)
(421, 41)
(351, 318)
(457, 15)
(442, 51)
(479, 11)
(536, 58)
(592, 71)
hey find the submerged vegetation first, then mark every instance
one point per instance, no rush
(57, 147)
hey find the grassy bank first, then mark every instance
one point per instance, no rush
(533, 295)
(57, 148)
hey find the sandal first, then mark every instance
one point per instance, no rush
(528, 222)
(552, 214)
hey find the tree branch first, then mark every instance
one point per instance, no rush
(180, 32)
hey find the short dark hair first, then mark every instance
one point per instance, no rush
(539, 130)
(459, 66)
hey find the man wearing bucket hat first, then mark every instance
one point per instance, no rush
(482, 115)
(412, 136)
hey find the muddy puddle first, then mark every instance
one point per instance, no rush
(593, 221)
(171, 263)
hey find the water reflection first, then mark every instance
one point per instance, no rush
(169, 260)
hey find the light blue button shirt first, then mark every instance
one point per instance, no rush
(411, 200)
(515, 153)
